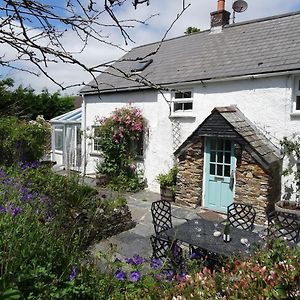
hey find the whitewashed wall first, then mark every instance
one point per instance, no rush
(264, 101)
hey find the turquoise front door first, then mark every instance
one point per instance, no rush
(219, 174)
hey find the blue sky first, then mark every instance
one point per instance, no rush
(198, 15)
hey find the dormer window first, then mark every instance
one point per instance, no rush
(296, 102)
(141, 65)
(182, 103)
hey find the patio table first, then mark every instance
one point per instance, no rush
(200, 233)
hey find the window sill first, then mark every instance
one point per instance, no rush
(295, 114)
(95, 154)
(182, 115)
(58, 151)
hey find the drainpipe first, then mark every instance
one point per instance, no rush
(83, 142)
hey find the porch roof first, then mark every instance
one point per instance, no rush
(229, 122)
(73, 116)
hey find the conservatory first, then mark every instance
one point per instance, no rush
(66, 140)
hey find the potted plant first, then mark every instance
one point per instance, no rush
(167, 183)
(101, 177)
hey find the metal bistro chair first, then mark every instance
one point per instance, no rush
(167, 251)
(241, 216)
(161, 216)
(284, 226)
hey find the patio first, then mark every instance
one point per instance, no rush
(137, 239)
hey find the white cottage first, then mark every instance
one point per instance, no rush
(209, 81)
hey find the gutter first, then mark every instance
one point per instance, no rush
(201, 81)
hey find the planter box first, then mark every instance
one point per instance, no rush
(167, 194)
(291, 207)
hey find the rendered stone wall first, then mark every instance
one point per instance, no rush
(252, 186)
(190, 175)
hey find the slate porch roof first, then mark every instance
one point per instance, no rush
(240, 129)
(260, 46)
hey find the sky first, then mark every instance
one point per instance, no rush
(165, 11)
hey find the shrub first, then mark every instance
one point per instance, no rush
(21, 140)
(117, 137)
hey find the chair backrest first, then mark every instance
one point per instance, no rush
(161, 216)
(241, 216)
(284, 225)
(164, 249)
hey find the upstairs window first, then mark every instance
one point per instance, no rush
(182, 103)
(296, 104)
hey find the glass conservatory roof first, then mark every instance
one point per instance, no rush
(73, 116)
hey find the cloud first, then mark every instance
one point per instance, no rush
(198, 15)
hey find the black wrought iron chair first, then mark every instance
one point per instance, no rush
(284, 226)
(241, 216)
(167, 251)
(161, 216)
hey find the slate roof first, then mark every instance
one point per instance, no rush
(253, 140)
(255, 47)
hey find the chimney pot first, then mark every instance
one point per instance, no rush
(221, 5)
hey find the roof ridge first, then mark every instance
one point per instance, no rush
(258, 20)
(263, 19)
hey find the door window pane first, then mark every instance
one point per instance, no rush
(219, 170)
(212, 169)
(227, 157)
(227, 171)
(220, 145)
(213, 156)
(220, 157)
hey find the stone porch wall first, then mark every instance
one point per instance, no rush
(253, 185)
(190, 175)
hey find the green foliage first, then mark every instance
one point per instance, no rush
(22, 140)
(117, 137)
(191, 30)
(26, 104)
(168, 179)
(291, 148)
(42, 237)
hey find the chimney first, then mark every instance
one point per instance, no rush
(221, 16)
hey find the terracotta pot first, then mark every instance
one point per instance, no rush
(291, 207)
(101, 179)
(167, 194)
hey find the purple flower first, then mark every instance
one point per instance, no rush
(2, 209)
(8, 181)
(168, 274)
(73, 273)
(26, 197)
(135, 260)
(156, 263)
(135, 276)
(2, 173)
(15, 211)
(120, 275)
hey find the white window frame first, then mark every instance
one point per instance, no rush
(296, 93)
(182, 112)
(58, 130)
(94, 151)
